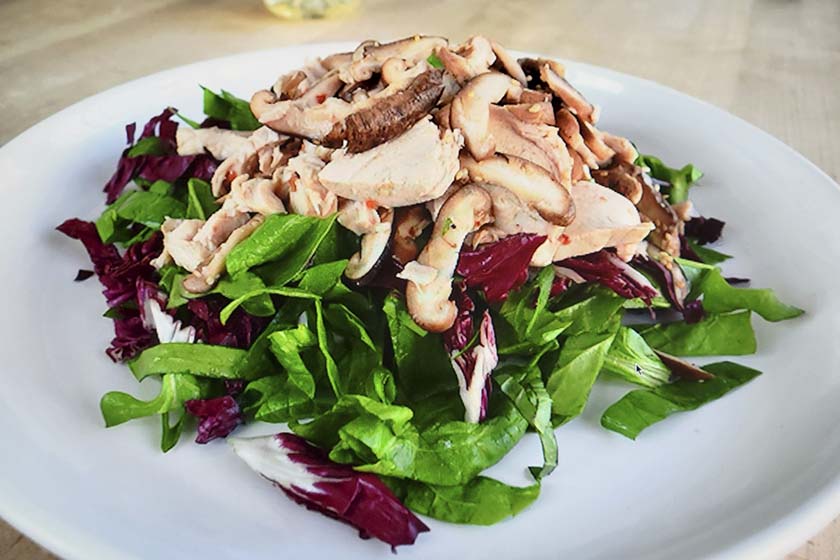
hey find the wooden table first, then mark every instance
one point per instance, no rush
(776, 64)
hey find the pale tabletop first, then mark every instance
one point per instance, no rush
(776, 64)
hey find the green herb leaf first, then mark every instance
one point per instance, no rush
(716, 335)
(201, 203)
(201, 360)
(707, 255)
(434, 61)
(633, 360)
(227, 107)
(680, 179)
(641, 408)
(481, 501)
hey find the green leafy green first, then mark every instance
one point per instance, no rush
(641, 408)
(525, 388)
(287, 346)
(680, 179)
(526, 323)
(148, 146)
(201, 203)
(228, 310)
(578, 364)
(201, 360)
(380, 438)
(423, 367)
(434, 62)
(175, 389)
(285, 241)
(243, 284)
(145, 208)
(592, 308)
(707, 255)
(323, 344)
(170, 434)
(716, 335)
(227, 107)
(633, 360)
(481, 501)
(719, 296)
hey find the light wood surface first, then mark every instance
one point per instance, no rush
(774, 63)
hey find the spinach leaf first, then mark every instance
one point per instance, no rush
(118, 222)
(680, 179)
(323, 344)
(287, 346)
(170, 434)
(422, 364)
(201, 360)
(720, 297)
(228, 310)
(148, 146)
(120, 407)
(570, 381)
(201, 203)
(285, 241)
(589, 309)
(227, 107)
(716, 335)
(526, 324)
(273, 399)
(707, 255)
(380, 438)
(481, 501)
(641, 408)
(243, 284)
(633, 360)
(525, 388)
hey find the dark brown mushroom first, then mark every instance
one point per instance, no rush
(389, 117)
(621, 177)
(409, 224)
(552, 74)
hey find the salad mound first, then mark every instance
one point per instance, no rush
(411, 255)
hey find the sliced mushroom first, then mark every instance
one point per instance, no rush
(509, 63)
(531, 183)
(369, 57)
(604, 219)
(388, 117)
(551, 73)
(470, 111)
(206, 276)
(465, 211)
(593, 138)
(580, 171)
(534, 96)
(414, 167)
(409, 224)
(373, 246)
(532, 113)
(624, 149)
(537, 143)
(623, 178)
(469, 60)
(569, 129)
(655, 208)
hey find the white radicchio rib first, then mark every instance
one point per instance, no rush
(473, 368)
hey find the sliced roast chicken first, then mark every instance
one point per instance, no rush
(398, 136)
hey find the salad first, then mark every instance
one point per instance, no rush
(409, 256)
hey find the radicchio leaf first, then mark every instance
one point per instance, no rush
(217, 417)
(124, 278)
(306, 475)
(499, 267)
(239, 331)
(692, 311)
(168, 167)
(704, 230)
(472, 364)
(608, 270)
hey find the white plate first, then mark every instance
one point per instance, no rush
(751, 475)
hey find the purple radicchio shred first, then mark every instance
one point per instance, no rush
(217, 417)
(704, 230)
(499, 267)
(83, 275)
(687, 251)
(608, 270)
(359, 499)
(124, 278)
(692, 311)
(464, 347)
(559, 286)
(241, 328)
(167, 167)
(234, 387)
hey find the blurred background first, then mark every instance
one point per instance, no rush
(775, 63)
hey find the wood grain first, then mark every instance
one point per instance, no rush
(775, 63)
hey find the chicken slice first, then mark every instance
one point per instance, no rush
(415, 167)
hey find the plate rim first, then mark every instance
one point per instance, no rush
(777, 538)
